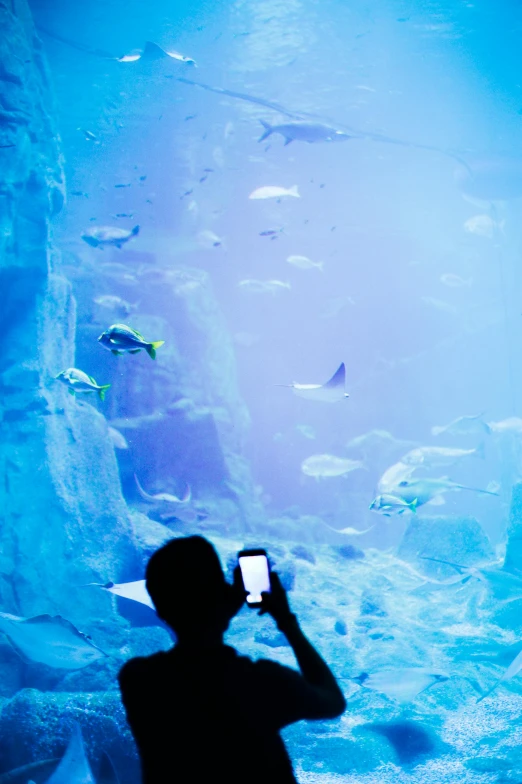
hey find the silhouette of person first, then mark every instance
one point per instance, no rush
(199, 712)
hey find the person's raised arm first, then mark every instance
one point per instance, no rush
(313, 667)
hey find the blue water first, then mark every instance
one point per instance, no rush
(419, 296)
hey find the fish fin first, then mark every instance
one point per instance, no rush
(268, 131)
(102, 390)
(116, 353)
(414, 504)
(135, 351)
(135, 230)
(70, 391)
(151, 348)
(187, 495)
(288, 140)
(92, 380)
(338, 377)
(294, 191)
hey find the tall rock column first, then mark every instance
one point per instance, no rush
(63, 521)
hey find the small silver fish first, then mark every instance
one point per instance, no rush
(263, 286)
(462, 426)
(455, 281)
(118, 439)
(388, 505)
(303, 262)
(483, 226)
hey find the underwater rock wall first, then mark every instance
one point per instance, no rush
(63, 522)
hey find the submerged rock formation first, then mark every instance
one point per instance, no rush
(63, 521)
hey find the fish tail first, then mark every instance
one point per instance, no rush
(135, 230)
(151, 348)
(294, 191)
(268, 131)
(320, 265)
(102, 390)
(414, 504)
(483, 697)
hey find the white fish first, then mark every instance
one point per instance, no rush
(512, 425)
(483, 226)
(118, 439)
(393, 476)
(153, 51)
(50, 640)
(431, 456)
(74, 766)
(455, 281)
(303, 262)
(307, 431)
(135, 591)
(329, 465)
(263, 286)
(274, 192)
(330, 392)
(303, 131)
(402, 684)
(514, 668)
(444, 307)
(463, 426)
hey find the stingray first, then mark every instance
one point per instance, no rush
(174, 507)
(74, 767)
(36, 771)
(152, 52)
(409, 740)
(514, 668)
(401, 684)
(331, 392)
(49, 640)
(348, 531)
(135, 591)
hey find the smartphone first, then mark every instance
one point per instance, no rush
(255, 572)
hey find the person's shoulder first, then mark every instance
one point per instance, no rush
(139, 666)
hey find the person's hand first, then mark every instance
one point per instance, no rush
(276, 603)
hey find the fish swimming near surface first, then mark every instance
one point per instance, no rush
(120, 338)
(103, 236)
(302, 131)
(320, 466)
(388, 505)
(275, 192)
(462, 426)
(431, 456)
(303, 262)
(74, 766)
(330, 392)
(118, 439)
(135, 591)
(78, 382)
(401, 684)
(152, 52)
(263, 286)
(422, 491)
(49, 640)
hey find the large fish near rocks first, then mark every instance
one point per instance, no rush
(302, 131)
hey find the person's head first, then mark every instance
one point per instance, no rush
(186, 583)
